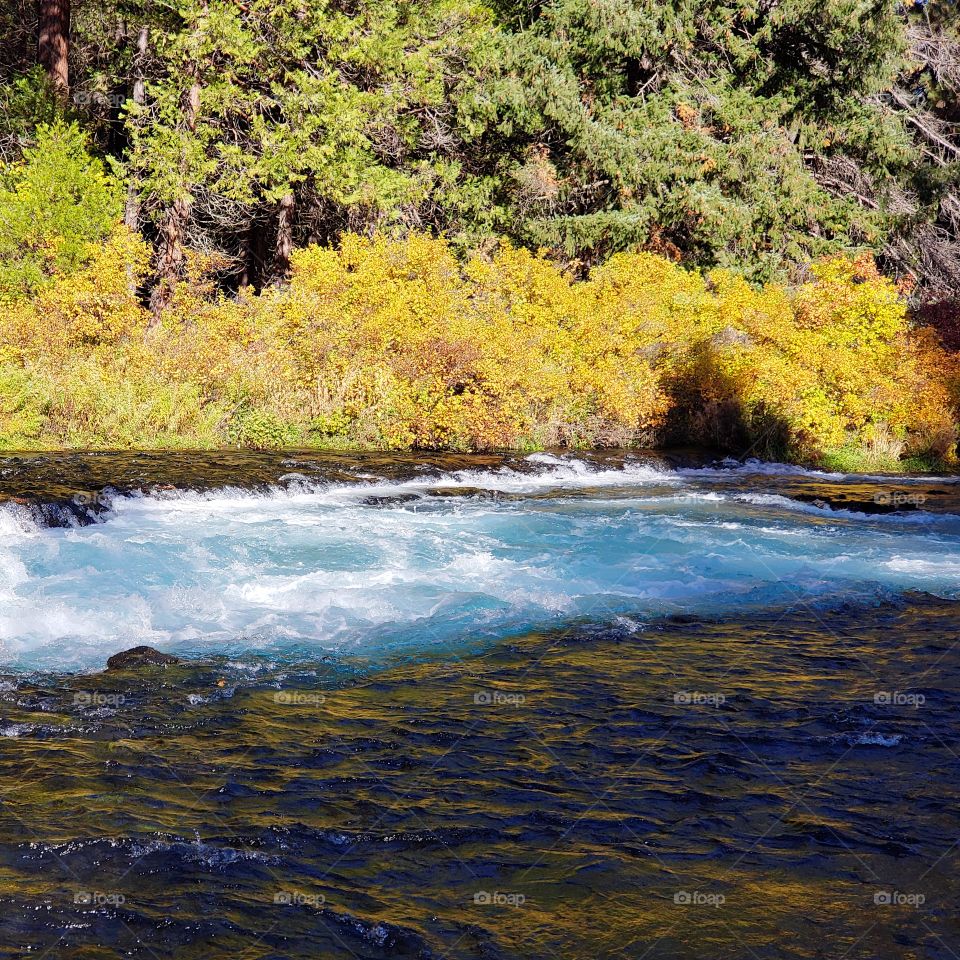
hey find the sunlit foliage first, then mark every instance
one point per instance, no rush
(54, 203)
(399, 344)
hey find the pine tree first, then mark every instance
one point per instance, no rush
(697, 127)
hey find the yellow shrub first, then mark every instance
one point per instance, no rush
(94, 307)
(829, 365)
(402, 345)
(395, 343)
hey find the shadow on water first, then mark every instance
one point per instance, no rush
(782, 786)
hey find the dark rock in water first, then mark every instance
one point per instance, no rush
(474, 493)
(390, 501)
(140, 657)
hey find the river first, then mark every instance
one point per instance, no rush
(556, 705)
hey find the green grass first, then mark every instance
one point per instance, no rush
(863, 460)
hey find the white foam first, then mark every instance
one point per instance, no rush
(947, 566)
(319, 568)
(752, 467)
(876, 740)
(840, 513)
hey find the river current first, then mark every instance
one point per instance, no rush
(546, 706)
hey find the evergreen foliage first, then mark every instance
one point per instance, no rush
(754, 136)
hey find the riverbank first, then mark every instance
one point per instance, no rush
(397, 345)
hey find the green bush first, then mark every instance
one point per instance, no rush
(56, 203)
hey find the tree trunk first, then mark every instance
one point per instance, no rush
(170, 260)
(53, 46)
(174, 225)
(285, 234)
(131, 212)
(257, 259)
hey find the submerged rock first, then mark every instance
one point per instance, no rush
(141, 656)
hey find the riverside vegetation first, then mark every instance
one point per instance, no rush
(399, 342)
(447, 224)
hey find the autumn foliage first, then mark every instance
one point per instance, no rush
(399, 344)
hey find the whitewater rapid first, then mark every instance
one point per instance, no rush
(375, 567)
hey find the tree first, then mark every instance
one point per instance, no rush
(698, 128)
(758, 136)
(274, 123)
(926, 244)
